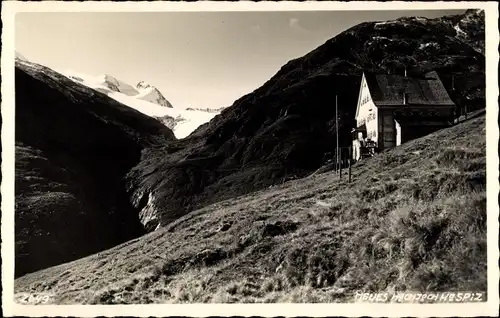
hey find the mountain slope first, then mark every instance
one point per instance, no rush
(285, 128)
(74, 145)
(413, 219)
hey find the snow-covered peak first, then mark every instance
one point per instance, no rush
(151, 94)
(106, 83)
(144, 85)
(148, 100)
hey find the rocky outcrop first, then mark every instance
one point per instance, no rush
(470, 29)
(74, 146)
(170, 121)
(286, 127)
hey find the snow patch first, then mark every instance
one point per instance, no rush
(381, 38)
(185, 121)
(385, 23)
(423, 19)
(425, 45)
(150, 93)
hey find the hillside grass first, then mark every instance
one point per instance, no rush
(413, 219)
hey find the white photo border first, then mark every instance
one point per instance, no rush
(9, 308)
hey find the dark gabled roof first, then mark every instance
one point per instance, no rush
(388, 90)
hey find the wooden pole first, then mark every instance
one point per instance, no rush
(349, 163)
(334, 160)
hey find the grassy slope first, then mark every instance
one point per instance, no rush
(413, 219)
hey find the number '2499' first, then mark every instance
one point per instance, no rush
(33, 298)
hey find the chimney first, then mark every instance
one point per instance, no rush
(405, 72)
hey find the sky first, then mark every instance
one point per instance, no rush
(196, 59)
